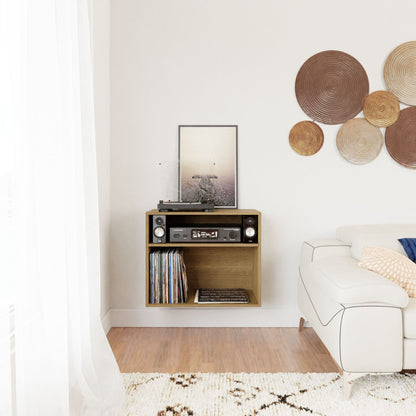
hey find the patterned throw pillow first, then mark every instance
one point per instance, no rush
(394, 266)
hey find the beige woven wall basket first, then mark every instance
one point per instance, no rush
(400, 72)
(359, 142)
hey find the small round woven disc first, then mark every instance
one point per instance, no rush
(401, 138)
(358, 141)
(381, 108)
(306, 138)
(400, 72)
(330, 87)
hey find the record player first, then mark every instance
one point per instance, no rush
(166, 206)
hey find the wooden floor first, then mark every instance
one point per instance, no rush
(219, 350)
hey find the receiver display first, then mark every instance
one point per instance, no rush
(204, 234)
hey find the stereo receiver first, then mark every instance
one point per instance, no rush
(205, 234)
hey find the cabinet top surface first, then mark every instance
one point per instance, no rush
(220, 211)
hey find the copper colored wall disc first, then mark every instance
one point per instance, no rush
(306, 138)
(359, 142)
(401, 138)
(330, 87)
(381, 108)
(400, 73)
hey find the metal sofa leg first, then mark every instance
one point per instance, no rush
(347, 382)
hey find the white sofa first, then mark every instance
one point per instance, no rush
(367, 322)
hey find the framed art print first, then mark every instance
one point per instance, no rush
(208, 165)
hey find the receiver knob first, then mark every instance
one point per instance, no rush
(232, 234)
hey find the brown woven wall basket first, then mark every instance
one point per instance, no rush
(330, 87)
(381, 108)
(401, 138)
(306, 138)
(400, 72)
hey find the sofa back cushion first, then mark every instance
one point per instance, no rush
(391, 265)
(381, 235)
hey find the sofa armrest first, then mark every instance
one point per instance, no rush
(313, 250)
(348, 284)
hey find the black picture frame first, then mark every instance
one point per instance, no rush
(208, 164)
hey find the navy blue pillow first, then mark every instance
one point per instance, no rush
(409, 245)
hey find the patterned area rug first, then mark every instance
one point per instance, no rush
(263, 394)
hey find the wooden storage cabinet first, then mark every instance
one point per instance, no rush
(212, 265)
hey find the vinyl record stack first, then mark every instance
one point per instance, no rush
(168, 282)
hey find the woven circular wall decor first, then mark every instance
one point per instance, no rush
(400, 72)
(381, 108)
(359, 142)
(306, 138)
(330, 87)
(401, 138)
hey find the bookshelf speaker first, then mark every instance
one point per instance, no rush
(159, 229)
(250, 229)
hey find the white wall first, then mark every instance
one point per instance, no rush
(235, 62)
(101, 54)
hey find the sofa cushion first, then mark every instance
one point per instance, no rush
(394, 266)
(409, 319)
(384, 235)
(347, 283)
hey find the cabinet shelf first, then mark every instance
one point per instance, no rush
(170, 245)
(211, 265)
(191, 303)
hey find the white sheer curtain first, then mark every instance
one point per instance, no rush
(55, 359)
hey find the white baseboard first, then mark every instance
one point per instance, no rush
(202, 317)
(106, 321)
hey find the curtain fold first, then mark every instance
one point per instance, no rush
(56, 358)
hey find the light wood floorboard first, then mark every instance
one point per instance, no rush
(234, 350)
